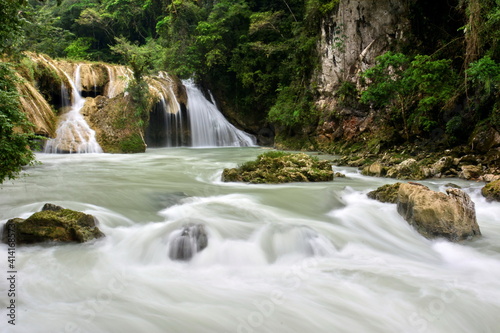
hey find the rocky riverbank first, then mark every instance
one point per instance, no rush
(410, 163)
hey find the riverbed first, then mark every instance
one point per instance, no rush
(298, 257)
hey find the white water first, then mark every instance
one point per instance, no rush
(73, 134)
(280, 258)
(209, 127)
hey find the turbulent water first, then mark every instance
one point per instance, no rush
(280, 258)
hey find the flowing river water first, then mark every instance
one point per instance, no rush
(297, 257)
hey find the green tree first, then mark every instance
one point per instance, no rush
(413, 90)
(15, 130)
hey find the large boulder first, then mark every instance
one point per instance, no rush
(436, 214)
(191, 239)
(53, 224)
(280, 167)
(492, 191)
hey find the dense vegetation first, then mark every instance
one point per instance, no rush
(15, 131)
(259, 57)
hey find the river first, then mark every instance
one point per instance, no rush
(297, 257)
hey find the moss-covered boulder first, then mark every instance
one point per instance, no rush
(386, 193)
(492, 191)
(279, 167)
(53, 224)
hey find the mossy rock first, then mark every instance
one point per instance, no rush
(279, 167)
(386, 193)
(53, 224)
(492, 191)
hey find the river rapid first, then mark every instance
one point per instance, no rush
(299, 257)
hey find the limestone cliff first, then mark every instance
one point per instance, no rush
(351, 38)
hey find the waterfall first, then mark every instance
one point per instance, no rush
(209, 128)
(73, 134)
(200, 124)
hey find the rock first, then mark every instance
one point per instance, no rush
(492, 191)
(191, 240)
(49, 206)
(386, 193)
(488, 178)
(436, 214)
(452, 185)
(408, 169)
(339, 175)
(279, 167)
(470, 172)
(356, 163)
(374, 169)
(484, 139)
(441, 166)
(54, 224)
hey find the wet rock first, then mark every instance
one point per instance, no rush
(436, 214)
(375, 169)
(191, 240)
(54, 224)
(471, 172)
(408, 169)
(440, 167)
(52, 207)
(452, 185)
(492, 191)
(279, 167)
(386, 193)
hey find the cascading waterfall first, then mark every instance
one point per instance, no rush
(209, 128)
(73, 134)
(201, 124)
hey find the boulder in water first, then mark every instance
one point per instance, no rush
(191, 240)
(53, 224)
(279, 167)
(386, 193)
(436, 214)
(492, 191)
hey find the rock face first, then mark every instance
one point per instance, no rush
(492, 191)
(279, 167)
(191, 240)
(53, 224)
(435, 214)
(386, 193)
(356, 33)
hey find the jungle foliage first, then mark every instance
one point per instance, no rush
(260, 56)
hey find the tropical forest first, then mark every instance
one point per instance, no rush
(250, 165)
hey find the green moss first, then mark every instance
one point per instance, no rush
(492, 191)
(386, 193)
(279, 167)
(132, 144)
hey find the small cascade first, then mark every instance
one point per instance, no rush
(209, 127)
(73, 134)
(169, 121)
(118, 80)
